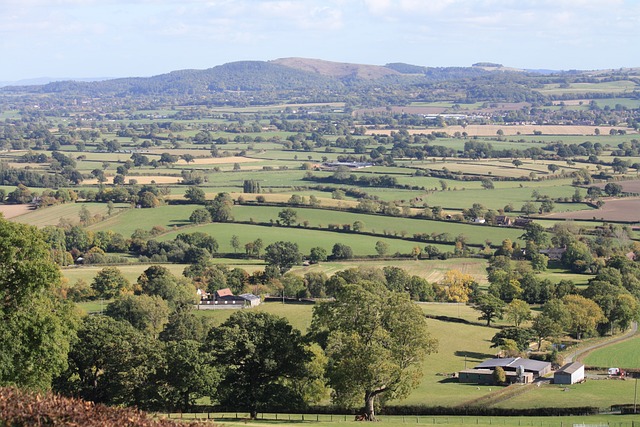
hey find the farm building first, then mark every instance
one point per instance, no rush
(503, 220)
(510, 364)
(485, 376)
(522, 222)
(224, 298)
(570, 373)
(251, 299)
(554, 254)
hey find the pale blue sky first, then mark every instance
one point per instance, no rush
(118, 38)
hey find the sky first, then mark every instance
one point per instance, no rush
(126, 38)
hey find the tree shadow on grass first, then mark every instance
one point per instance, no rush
(448, 380)
(474, 355)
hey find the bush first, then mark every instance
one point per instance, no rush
(24, 408)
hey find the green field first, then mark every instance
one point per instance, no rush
(600, 393)
(70, 211)
(579, 88)
(362, 245)
(378, 224)
(622, 355)
(460, 346)
(299, 315)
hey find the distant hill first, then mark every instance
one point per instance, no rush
(437, 73)
(234, 76)
(490, 66)
(45, 80)
(314, 80)
(339, 70)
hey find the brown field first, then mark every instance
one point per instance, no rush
(219, 161)
(195, 152)
(12, 211)
(17, 165)
(627, 209)
(431, 270)
(491, 130)
(490, 168)
(627, 186)
(498, 167)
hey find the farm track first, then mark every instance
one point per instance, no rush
(580, 354)
(500, 395)
(509, 392)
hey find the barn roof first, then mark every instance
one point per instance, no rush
(514, 362)
(570, 368)
(494, 363)
(226, 292)
(249, 297)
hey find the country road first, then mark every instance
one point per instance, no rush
(578, 355)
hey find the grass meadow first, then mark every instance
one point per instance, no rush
(460, 346)
(362, 245)
(379, 224)
(621, 355)
(601, 393)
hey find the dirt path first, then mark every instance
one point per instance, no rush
(580, 354)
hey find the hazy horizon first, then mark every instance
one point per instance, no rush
(140, 38)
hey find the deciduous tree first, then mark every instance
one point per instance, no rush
(259, 355)
(517, 311)
(37, 326)
(282, 255)
(376, 343)
(490, 307)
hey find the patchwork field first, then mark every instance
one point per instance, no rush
(627, 210)
(491, 130)
(12, 211)
(69, 211)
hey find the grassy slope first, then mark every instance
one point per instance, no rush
(378, 224)
(600, 393)
(306, 239)
(623, 355)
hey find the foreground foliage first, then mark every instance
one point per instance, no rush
(20, 408)
(36, 325)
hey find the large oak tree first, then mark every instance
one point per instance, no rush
(376, 341)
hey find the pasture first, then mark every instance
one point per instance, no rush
(379, 224)
(362, 245)
(464, 346)
(621, 355)
(600, 393)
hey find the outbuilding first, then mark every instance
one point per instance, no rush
(251, 300)
(570, 373)
(538, 368)
(485, 376)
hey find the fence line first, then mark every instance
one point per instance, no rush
(520, 421)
